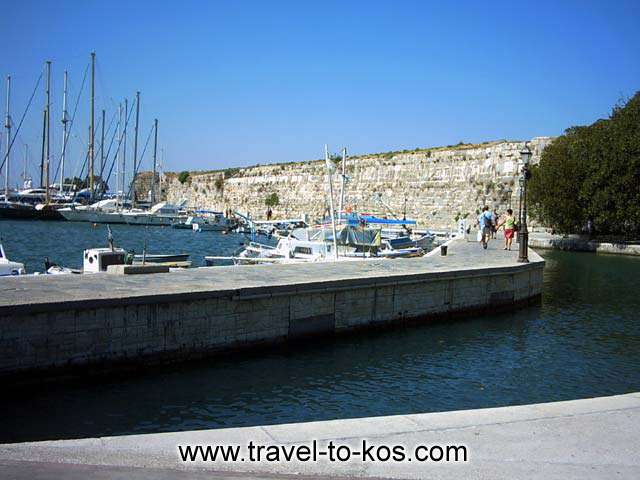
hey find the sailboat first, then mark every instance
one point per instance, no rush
(31, 203)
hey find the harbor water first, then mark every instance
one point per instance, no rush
(581, 340)
(29, 241)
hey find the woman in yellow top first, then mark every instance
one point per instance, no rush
(509, 223)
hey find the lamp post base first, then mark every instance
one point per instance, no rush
(523, 252)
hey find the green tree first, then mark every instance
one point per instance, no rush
(272, 200)
(183, 176)
(592, 172)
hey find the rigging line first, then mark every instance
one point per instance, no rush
(106, 134)
(106, 157)
(58, 169)
(103, 85)
(135, 172)
(73, 117)
(24, 114)
(126, 123)
(113, 162)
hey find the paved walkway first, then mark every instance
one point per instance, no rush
(22, 293)
(578, 439)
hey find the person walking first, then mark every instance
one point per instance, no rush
(508, 223)
(485, 221)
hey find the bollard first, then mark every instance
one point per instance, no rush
(443, 250)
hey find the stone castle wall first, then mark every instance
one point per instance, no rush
(438, 185)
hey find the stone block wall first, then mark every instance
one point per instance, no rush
(438, 185)
(137, 334)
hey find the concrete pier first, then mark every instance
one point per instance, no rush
(579, 439)
(76, 324)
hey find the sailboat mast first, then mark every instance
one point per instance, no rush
(102, 146)
(155, 151)
(44, 134)
(344, 178)
(135, 149)
(26, 158)
(118, 156)
(64, 132)
(124, 143)
(7, 125)
(47, 131)
(92, 129)
(160, 173)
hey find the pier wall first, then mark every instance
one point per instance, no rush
(139, 329)
(439, 184)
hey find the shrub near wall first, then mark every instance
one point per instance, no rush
(592, 172)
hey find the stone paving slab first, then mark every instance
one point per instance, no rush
(31, 292)
(577, 439)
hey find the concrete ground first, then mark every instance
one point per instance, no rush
(578, 439)
(26, 293)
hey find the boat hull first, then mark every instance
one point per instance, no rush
(149, 220)
(86, 215)
(27, 212)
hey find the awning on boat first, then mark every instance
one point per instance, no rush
(386, 221)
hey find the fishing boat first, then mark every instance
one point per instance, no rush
(9, 268)
(96, 260)
(305, 245)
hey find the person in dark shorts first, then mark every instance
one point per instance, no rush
(485, 220)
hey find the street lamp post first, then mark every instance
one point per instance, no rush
(523, 234)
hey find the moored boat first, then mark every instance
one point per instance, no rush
(8, 267)
(162, 213)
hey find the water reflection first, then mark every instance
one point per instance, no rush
(583, 340)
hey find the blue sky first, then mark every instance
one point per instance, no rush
(238, 83)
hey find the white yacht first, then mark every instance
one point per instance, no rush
(7, 267)
(104, 211)
(162, 213)
(211, 222)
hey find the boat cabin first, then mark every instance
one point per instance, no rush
(98, 259)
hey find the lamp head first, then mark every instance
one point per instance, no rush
(525, 154)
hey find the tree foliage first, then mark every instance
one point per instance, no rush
(272, 200)
(592, 172)
(183, 177)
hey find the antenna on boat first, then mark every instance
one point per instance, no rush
(330, 168)
(110, 238)
(7, 125)
(64, 132)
